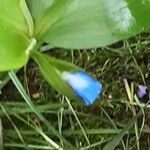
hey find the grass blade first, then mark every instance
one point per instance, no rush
(31, 105)
(115, 141)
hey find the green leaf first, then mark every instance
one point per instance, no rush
(11, 14)
(52, 74)
(13, 36)
(28, 17)
(45, 13)
(86, 23)
(12, 49)
(62, 65)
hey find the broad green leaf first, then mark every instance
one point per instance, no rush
(11, 14)
(12, 49)
(88, 23)
(53, 74)
(13, 35)
(45, 13)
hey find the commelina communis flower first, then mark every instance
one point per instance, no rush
(85, 87)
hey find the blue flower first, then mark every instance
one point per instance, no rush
(84, 86)
(142, 91)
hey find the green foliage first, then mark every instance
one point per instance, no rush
(11, 16)
(53, 74)
(73, 24)
(13, 36)
(86, 23)
(110, 64)
(66, 23)
(12, 49)
(62, 65)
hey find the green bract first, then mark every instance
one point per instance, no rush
(52, 72)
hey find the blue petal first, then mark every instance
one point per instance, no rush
(85, 87)
(142, 91)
